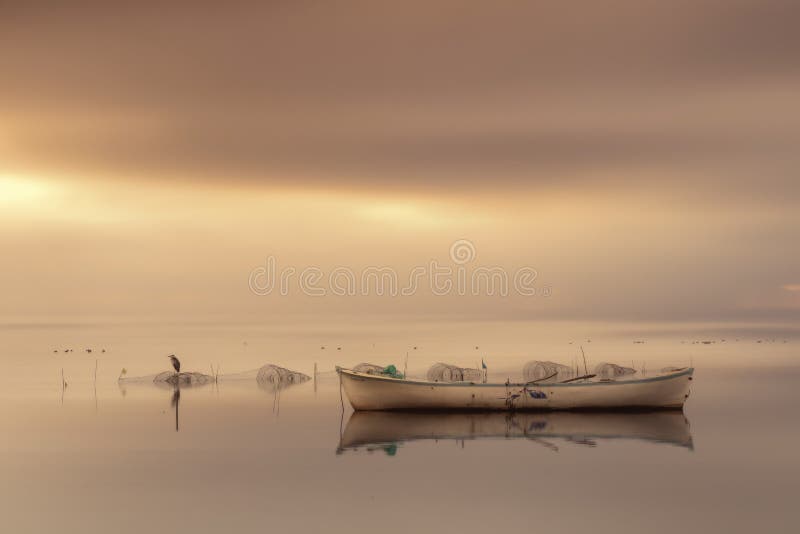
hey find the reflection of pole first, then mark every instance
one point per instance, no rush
(315, 377)
(176, 401)
(276, 401)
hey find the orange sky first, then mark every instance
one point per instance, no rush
(641, 156)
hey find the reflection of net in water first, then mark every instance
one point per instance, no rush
(183, 379)
(169, 379)
(444, 372)
(553, 372)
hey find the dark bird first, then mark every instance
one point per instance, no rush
(338, 348)
(103, 350)
(176, 363)
(89, 350)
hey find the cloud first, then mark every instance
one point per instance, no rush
(408, 95)
(640, 154)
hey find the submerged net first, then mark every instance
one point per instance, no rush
(538, 370)
(182, 379)
(148, 379)
(273, 376)
(612, 370)
(444, 372)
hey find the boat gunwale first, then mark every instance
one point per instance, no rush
(364, 376)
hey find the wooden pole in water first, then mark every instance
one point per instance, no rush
(63, 385)
(585, 367)
(95, 385)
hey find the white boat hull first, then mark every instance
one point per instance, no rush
(371, 392)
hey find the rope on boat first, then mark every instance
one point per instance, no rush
(578, 378)
(541, 379)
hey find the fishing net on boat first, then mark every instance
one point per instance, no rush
(391, 371)
(612, 370)
(182, 379)
(537, 370)
(274, 376)
(444, 372)
(369, 368)
(379, 370)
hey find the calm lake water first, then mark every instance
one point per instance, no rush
(234, 457)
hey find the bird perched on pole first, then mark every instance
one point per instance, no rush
(176, 363)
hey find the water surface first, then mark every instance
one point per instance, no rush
(235, 457)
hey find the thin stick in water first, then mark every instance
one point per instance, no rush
(585, 367)
(95, 385)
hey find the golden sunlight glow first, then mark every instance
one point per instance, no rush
(17, 191)
(406, 213)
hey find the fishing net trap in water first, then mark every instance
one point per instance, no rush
(546, 371)
(444, 372)
(272, 376)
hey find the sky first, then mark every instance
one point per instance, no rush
(640, 156)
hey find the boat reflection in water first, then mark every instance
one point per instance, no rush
(387, 430)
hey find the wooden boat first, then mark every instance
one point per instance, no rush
(385, 430)
(374, 392)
